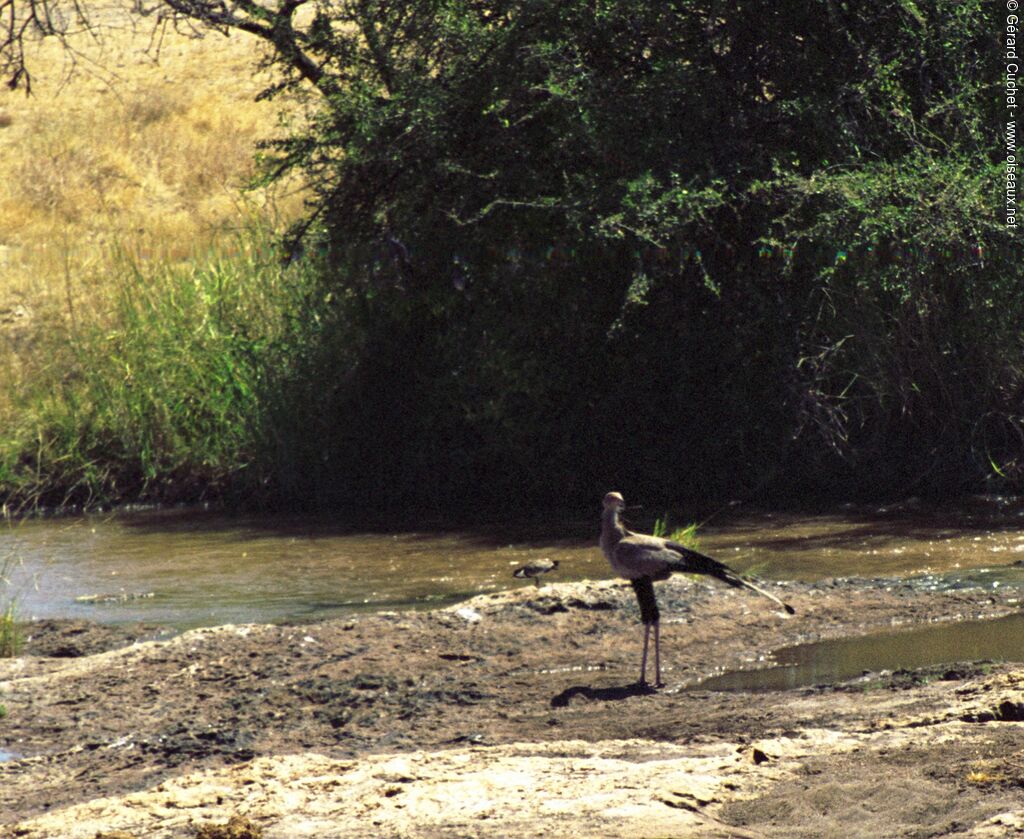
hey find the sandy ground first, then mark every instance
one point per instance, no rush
(514, 714)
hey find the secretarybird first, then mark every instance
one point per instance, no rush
(642, 559)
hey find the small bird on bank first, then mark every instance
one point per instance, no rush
(535, 570)
(642, 559)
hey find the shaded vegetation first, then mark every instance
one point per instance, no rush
(699, 251)
(688, 251)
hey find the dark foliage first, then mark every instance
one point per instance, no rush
(703, 251)
(690, 250)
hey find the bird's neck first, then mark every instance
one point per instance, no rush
(612, 530)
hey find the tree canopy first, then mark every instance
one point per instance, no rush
(702, 246)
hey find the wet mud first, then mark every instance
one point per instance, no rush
(116, 728)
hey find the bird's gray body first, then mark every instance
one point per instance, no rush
(643, 559)
(535, 569)
(635, 555)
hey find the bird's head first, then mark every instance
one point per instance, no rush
(614, 501)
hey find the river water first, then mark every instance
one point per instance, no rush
(189, 568)
(828, 662)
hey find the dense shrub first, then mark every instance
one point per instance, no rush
(691, 251)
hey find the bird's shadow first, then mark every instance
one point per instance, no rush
(612, 694)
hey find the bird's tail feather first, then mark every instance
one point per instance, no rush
(694, 562)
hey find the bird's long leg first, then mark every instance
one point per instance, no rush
(658, 683)
(644, 588)
(643, 661)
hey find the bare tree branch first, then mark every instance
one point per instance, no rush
(24, 21)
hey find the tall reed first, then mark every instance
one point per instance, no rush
(163, 397)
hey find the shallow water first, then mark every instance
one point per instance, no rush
(828, 662)
(189, 568)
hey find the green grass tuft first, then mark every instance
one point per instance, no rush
(685, 535)
(10, 632)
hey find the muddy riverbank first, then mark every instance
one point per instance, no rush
(513, 714)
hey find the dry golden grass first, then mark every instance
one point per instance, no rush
(137, 150)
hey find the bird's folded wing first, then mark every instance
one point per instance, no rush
(644, 556)
(694, 562)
